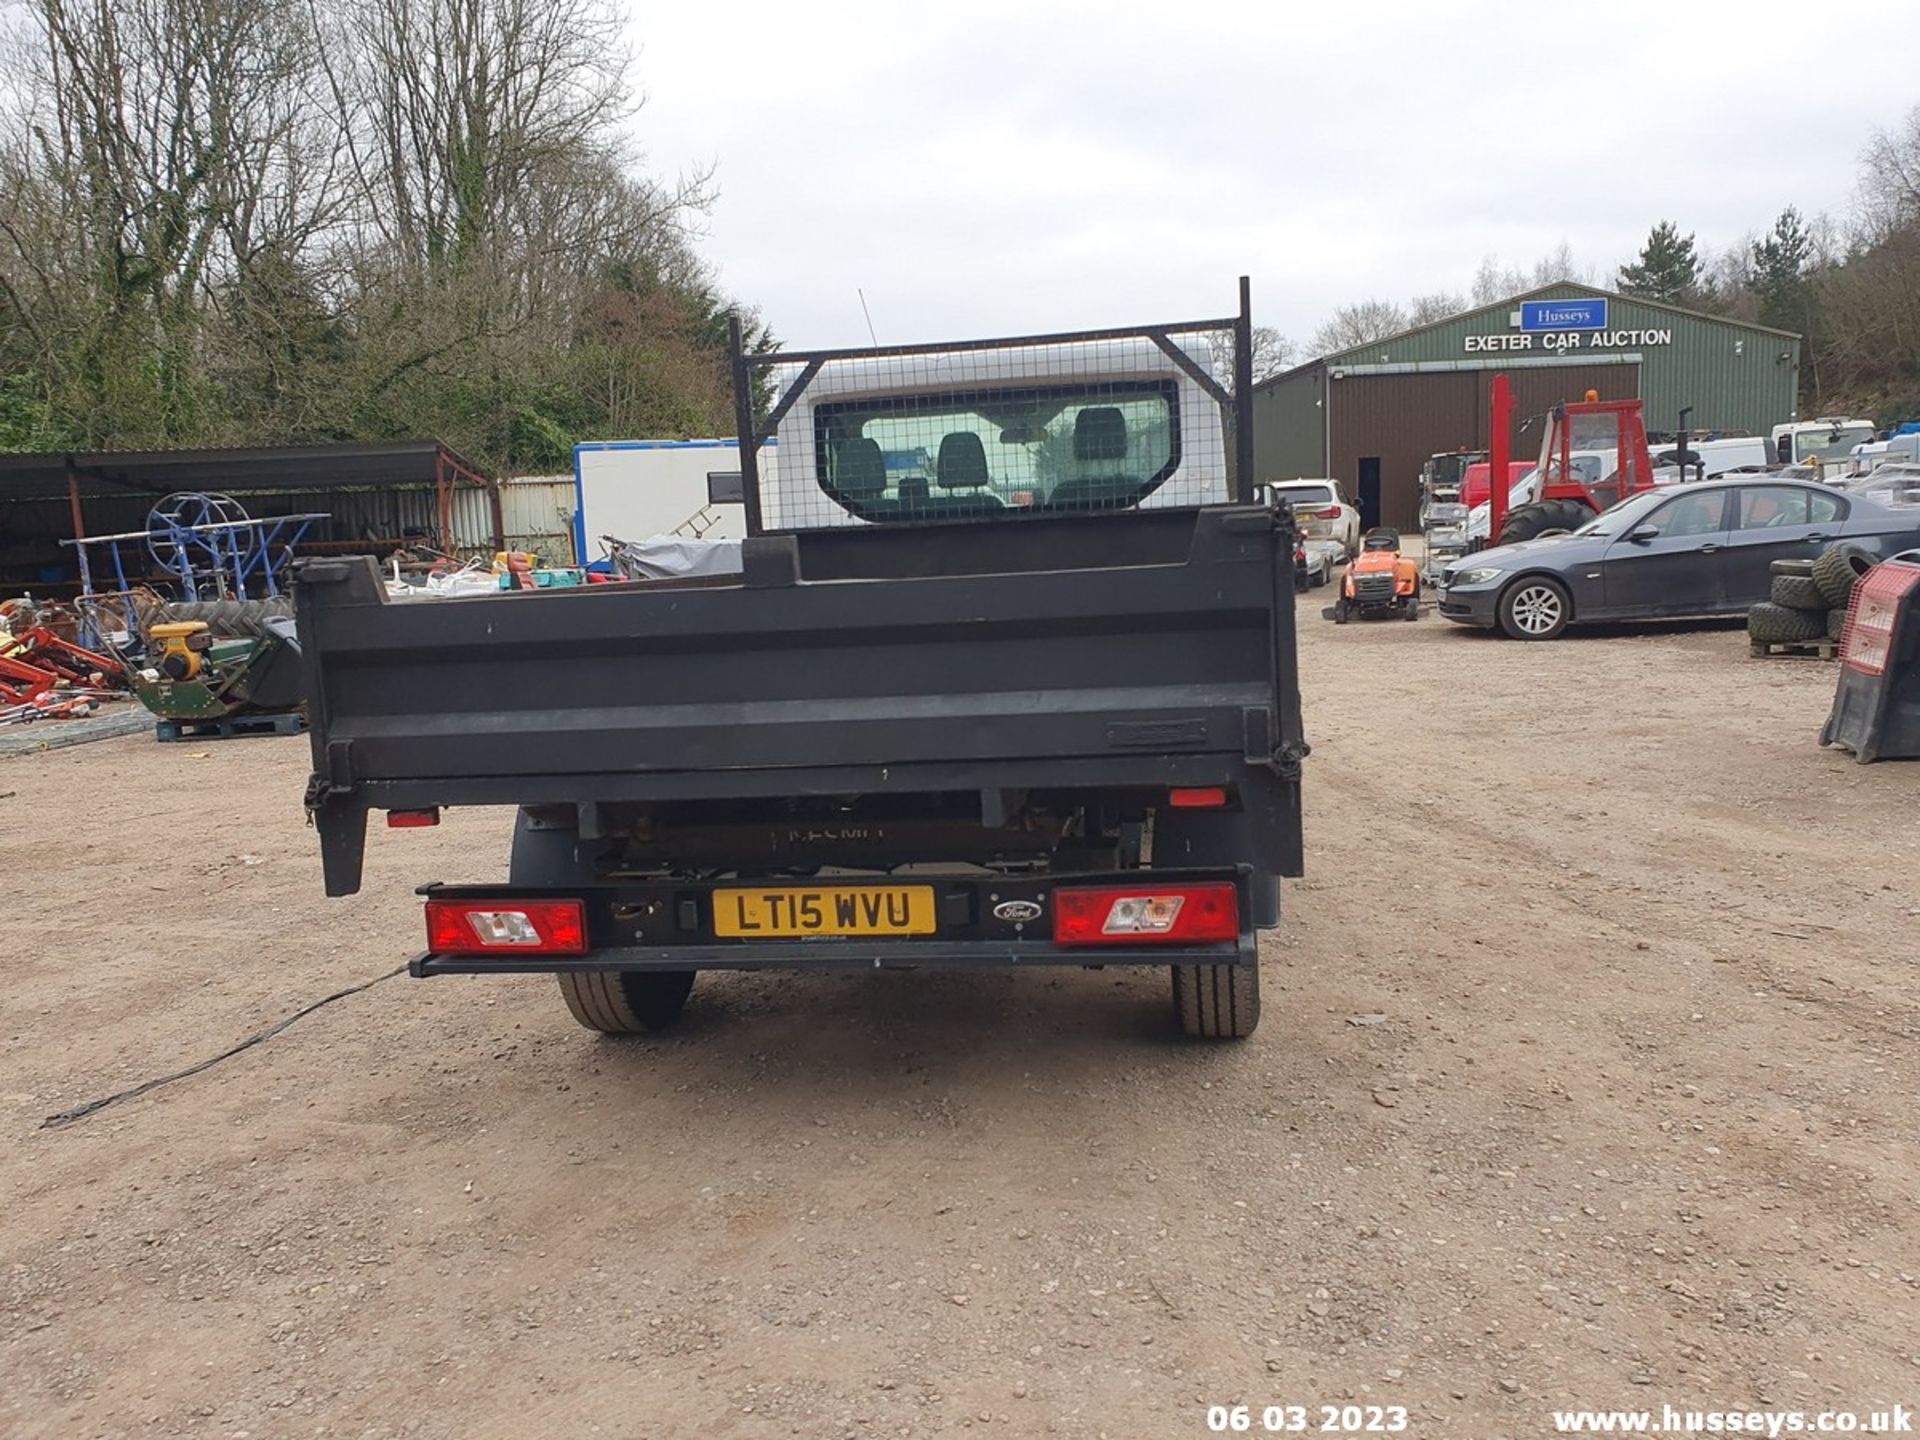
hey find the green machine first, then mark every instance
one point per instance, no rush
(203, 684)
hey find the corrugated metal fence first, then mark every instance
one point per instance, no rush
(537, 511)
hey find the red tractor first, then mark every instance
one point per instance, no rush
(1592, 456)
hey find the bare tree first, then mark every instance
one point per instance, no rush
(1426, 309)
(1359, 324)
(1495, 281)
(1890, 182)
(162, 146)
(1272, 352)
(1558, 266)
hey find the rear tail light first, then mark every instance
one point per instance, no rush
(413, 819)
(1130, 915)
(1212, 797)
(521, 927)
(1868, 636)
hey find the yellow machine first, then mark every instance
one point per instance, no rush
(181, 644)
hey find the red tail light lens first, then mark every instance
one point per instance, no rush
(1210, 797)
(1134, 915)
(412, 819)
(518, 927)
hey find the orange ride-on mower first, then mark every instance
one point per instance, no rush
(1379, 582)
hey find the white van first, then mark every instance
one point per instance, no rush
(1718, 456)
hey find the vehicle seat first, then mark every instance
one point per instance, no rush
(914, 494)
(860, 474)
(962, 467)
(1100, 455)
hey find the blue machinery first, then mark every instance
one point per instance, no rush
(205, 546)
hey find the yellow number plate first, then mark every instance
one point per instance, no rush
(823, 910)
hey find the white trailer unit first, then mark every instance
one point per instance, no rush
(639, 489)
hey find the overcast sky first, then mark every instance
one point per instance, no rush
(1002, 168)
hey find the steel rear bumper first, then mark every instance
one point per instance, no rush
(668, 925)
(842, 955)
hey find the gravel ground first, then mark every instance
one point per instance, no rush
(1587, 1077)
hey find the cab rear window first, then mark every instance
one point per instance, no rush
(1104, 446)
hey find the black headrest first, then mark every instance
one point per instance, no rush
(860, 470)
(1100, 433)
(963, 461)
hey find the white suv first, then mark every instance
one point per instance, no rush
(1323, 512)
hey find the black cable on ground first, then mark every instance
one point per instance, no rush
(79, 1112)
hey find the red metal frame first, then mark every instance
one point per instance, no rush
(61, 658)
(1499, 453)
(1633, 468)
(1633, 465)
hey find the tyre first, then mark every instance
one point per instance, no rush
(1548, 517)
(1836, 624)
(1768, 623)
(623, 1002)
(1341, 610)
(1838, 568)
(1410, 608)
(1792, 567)
(1217, 1002)
(626, 1002)
(1799, 592)
(1535, 608)
(225, 618)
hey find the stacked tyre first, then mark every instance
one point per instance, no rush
(1809, 599)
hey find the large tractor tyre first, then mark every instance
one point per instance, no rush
(1535, 608)
(1836, 625)
(1770, 624)
(622, 1002)
(1791, 567)
(1838, 569)
(1547, 517)
(1799, 592)
(1217, 1002)
(235, 619)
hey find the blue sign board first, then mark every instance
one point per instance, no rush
(1563, 314)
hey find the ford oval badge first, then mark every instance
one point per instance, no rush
(1017, 911)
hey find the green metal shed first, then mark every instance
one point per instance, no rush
(1371, 415)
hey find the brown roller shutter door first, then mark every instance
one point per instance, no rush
(1402, 419)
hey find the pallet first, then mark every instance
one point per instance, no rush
(1806, 649)
(230, 727)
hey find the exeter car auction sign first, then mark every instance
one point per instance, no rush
(1554, 326)
(1559, 340)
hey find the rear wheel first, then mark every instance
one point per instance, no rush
(614, 1002)
(1341, 610)
(626, 1002)
(1535, 608)
(1547, 517)
(1410, 608)
(1217, 1002)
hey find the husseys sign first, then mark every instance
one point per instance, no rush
(1556, 341)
